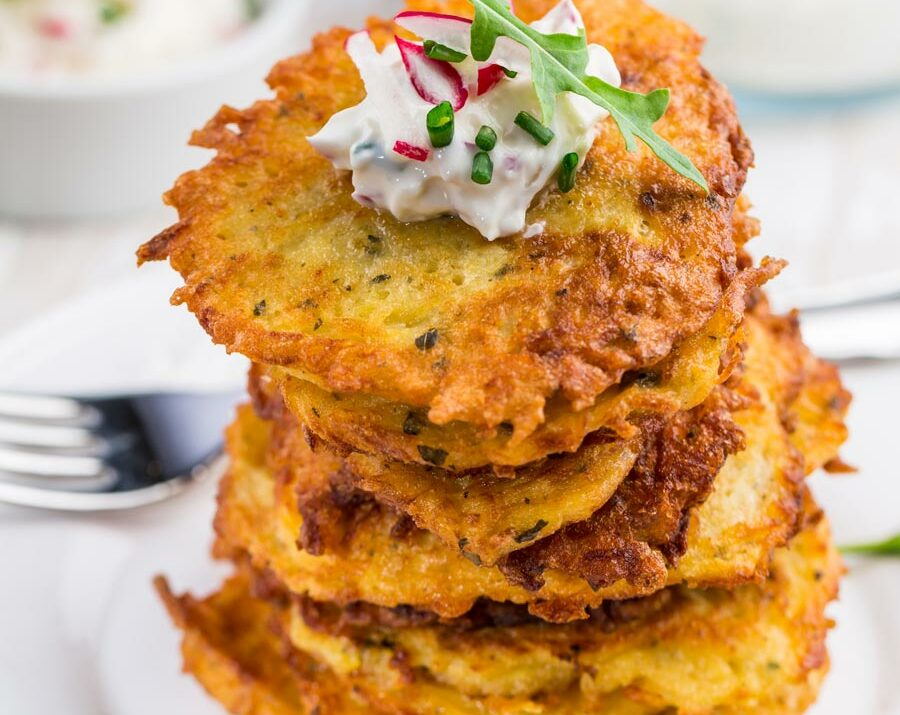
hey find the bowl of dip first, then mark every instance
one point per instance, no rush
(99, 97)
(798, 48)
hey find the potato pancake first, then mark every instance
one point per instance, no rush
(400, 432)
(282, 265)
(377, 557)
(756, 649)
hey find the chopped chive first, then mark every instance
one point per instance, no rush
(511, 74)
(437, 51)
(440, 125)
(529, 123)
(486, 139)
(567, 170)
(482, 168)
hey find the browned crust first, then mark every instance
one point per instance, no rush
(642, 530)
(542, 330)
(238, 644)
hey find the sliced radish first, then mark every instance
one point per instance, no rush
(434, 80)
(410, 151)
(450, 30)
(386, 90)
(488, 78)
(456, 32)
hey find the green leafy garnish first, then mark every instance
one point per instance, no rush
(888, 547)
(112, 11)
(559, 64)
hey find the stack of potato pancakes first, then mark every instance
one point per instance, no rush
(556, 474)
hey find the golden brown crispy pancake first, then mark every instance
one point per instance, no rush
(400, 432)
(657, 478)
(281, 264)
(376, 557)
(756, 650)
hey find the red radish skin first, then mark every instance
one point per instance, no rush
(489, 77)
(435, 81)
(410, 151)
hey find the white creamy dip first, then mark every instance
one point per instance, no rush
(40, 38)
(362, 138)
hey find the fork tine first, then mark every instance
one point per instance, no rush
(48, 409)
(102, 482)
(20, 462)
(49, 436)
(39, 498)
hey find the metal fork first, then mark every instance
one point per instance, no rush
(106, 454)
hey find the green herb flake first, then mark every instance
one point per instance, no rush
(260, 308)
(559, 64)
(413, 424)
(474, 558)
(440, 124)
(374, 245)
(482, 168)
(530, 124)
(531, 534)
(888, 547)
(111, 11)
(437, 51)
(427, 340)
(432, 455)
(381, 278)
(486, 139)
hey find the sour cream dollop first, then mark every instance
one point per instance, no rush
(362, 138)
(103, 38)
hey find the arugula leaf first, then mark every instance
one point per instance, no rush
(559, 63)
(888, 547)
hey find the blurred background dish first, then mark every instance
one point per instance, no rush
(798, 47)
(95, 113)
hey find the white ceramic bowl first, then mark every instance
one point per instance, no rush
(799, 47)
(90, 147)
